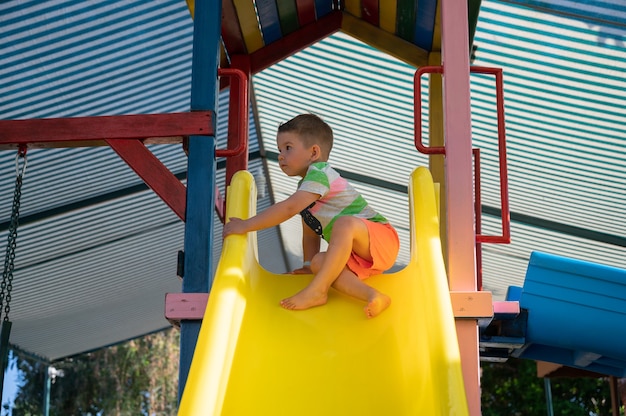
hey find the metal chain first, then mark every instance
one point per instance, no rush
(7, 276)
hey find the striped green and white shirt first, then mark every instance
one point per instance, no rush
(338, 198)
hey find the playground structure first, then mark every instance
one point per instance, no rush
(124, 139)
(406, 362)
(128, 142)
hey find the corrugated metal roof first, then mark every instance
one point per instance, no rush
(97, 250)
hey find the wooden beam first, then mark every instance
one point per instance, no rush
(192, 305)
(249, 25)
(468, 304)
(94, 131)
(294, 42)
(370, 12)
(231, 32)
(288, 13)
(388, 11)
(385, 41)
(153, 172)
(306, 12)
(185, 306)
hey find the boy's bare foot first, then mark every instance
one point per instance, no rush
(304, 299)
(377, 304)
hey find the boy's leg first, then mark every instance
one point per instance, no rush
(347, 283)
(350, 284)
(349, 234)
(330, 269)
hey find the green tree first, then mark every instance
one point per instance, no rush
(138, 377)
(513, 388)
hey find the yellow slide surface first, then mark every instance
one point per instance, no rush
(255, 358)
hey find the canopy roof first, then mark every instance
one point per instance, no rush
(97, 250)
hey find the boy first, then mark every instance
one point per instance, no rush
(361, 242)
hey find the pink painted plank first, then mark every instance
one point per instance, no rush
(510, 308)
(180, 306)
(459, 186)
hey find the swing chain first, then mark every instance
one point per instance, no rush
(7, 276)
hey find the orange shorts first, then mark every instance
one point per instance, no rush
(384, 247)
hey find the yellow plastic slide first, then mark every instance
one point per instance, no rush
(255, 358)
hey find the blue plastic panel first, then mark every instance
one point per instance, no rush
(576, 313)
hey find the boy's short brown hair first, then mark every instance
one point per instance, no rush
(312, 130)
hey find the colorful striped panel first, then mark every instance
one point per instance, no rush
(249, 25)
(288, 14)
(231, 32)
(269, 20)
(425, 24)
(353, 7)
(295, 42)
(407, 10)
(388, 10)
(323, 7)
(384, 41)
(369, 11)
(306, 11)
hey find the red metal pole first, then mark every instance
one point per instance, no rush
(505, 238)
(237, 116)
(479, 222)
(417, 111)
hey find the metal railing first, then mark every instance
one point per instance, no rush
(505, 236)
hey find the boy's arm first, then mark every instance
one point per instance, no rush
(310, 247)
(273, 215)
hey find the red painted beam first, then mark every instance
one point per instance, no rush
(231, 32)
(153, 172)
(91, 131)
(294, 42)
(306, 11)
(370, 12)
